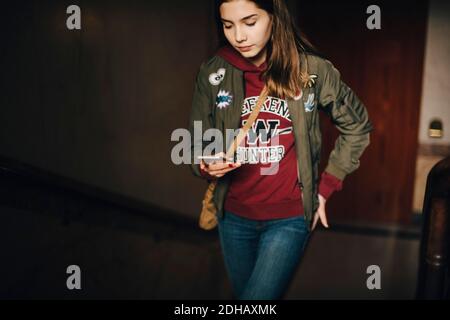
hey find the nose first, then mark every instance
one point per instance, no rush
(239, 35)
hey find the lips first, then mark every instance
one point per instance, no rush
(243, 49)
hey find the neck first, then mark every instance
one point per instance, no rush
(259, 59)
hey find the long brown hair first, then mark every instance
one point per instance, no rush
(284, 76)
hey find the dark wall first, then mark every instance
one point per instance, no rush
(99, 104)
(384, 67)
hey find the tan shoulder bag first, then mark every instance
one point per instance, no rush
(208, 215)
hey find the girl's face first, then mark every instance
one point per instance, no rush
(247, 28)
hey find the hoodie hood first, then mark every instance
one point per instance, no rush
(252, 74)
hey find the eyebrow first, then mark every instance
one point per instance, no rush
(244, 18)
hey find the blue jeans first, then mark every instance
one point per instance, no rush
(261, 257)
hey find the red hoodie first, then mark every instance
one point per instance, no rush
(254, 192)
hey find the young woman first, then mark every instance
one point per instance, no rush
(265, 219)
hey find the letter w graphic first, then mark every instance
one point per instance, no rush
(262, 129)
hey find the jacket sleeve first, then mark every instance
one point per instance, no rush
(350, 117)
(200, 111)
(329, 184)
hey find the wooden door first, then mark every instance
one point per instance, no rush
(384, 68)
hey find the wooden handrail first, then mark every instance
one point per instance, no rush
(433, 278)
(41, 177)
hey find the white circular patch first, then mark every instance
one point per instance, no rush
(216, 78)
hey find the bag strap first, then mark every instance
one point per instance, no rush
(251, 119)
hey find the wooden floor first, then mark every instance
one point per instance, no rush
(335, 267)
(125, 257)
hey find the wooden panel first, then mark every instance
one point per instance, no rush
(384, 68)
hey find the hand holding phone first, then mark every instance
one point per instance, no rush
(217, 165)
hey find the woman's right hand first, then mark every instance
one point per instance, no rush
(217, 169)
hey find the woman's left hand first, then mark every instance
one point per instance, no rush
(320, 213)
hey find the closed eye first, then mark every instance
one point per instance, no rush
(248, 24)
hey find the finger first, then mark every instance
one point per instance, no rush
(315, 219)
(218, 165)
(202, 165)
(222, 171)
(224, 165)
(205, 164)
(323, 199)
(323, 219)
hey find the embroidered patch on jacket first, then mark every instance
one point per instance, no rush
(217, 77)
(309, 104)
(223, 99)
(309, 80)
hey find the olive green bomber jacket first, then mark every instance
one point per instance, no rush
(326, 92)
